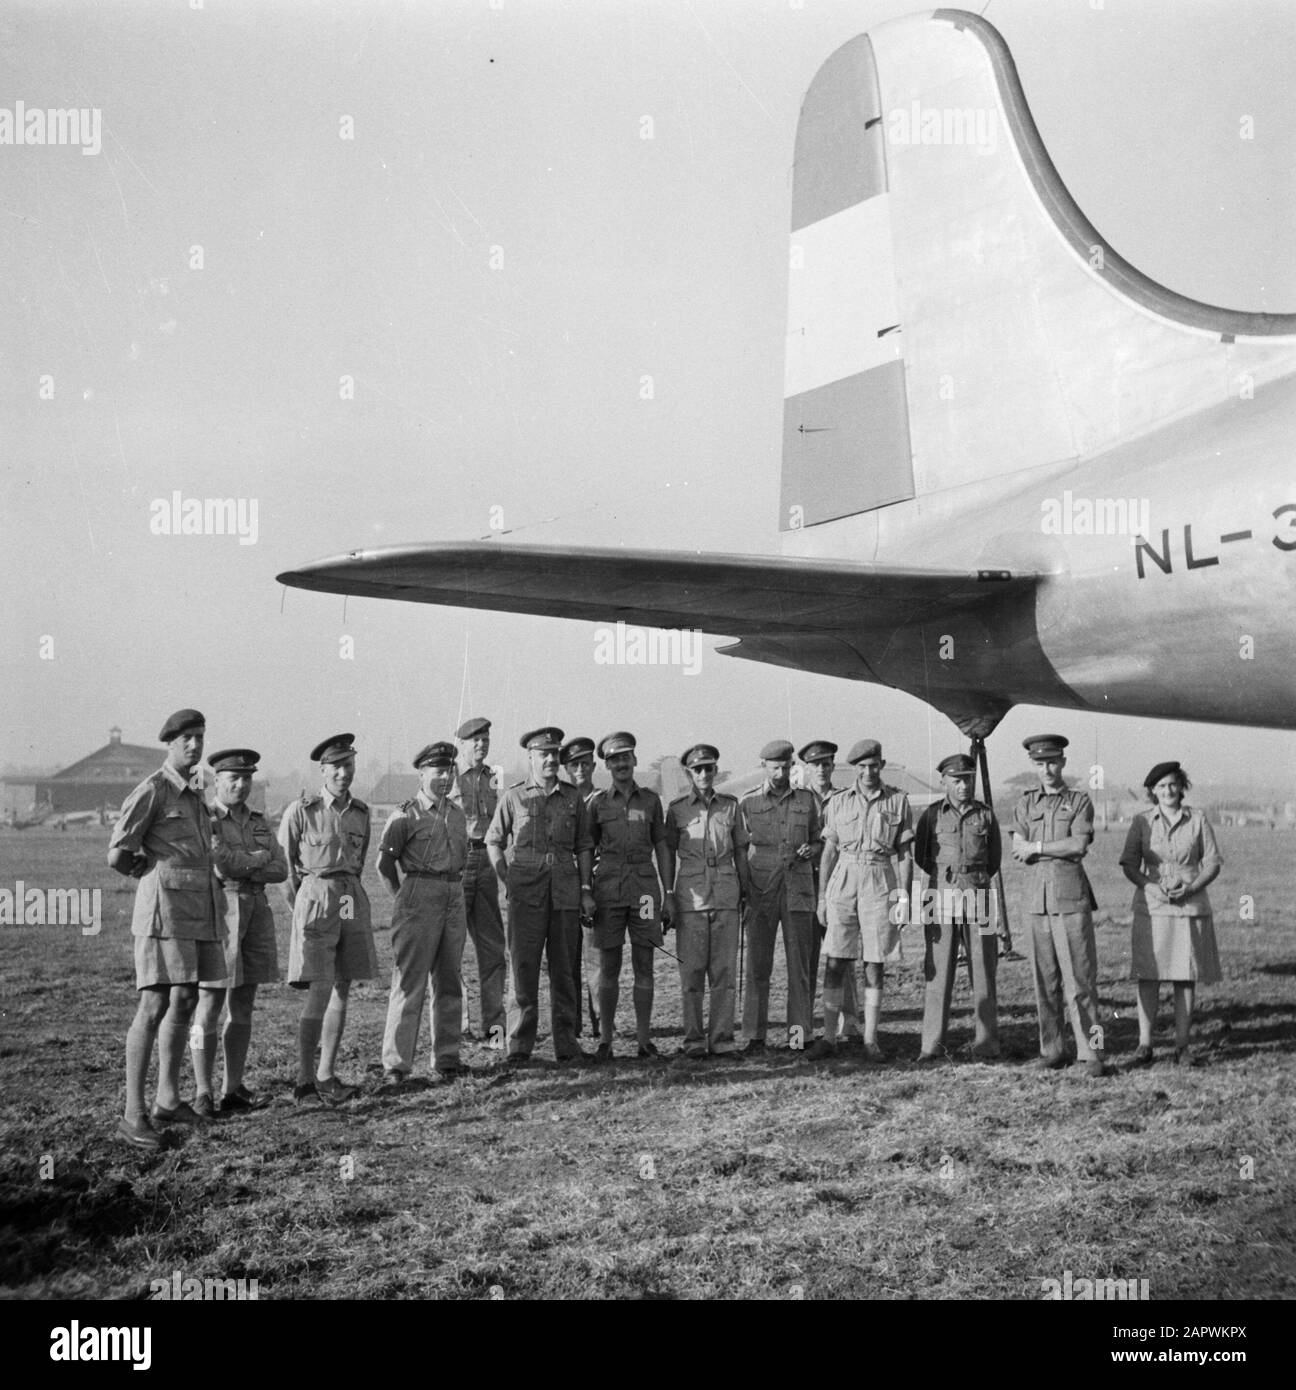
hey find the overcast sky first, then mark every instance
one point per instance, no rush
(496, 258)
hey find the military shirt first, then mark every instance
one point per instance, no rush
(239, 833)
(777, 825)
(543, 832)
(424, 837)
(705, 836)
(626, 830)
(876, 826)
(321, 836)
(958, 845)
(166, 819)
(1055, 885)
(1172, 853)
(474, 790)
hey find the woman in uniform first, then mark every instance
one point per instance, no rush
(1170, 857)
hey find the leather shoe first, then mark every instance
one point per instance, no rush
(603, 1053)
(183, 1114)
(1051, 1061)
(648, 1050)
(821, 1050)
(874, 1053)
(755, 1048)
(204, 1106)
(1142, 1056)
(140, 1133)
(242, 1099)
(335, 1092)
(519, 1059)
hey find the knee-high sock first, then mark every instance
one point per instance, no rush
(235, 1043)
(308, 1039)
(833, 994)
(331, 1037)
(202, 1050)
(643, 1006)
(139, 1048)
(872, 1011)
(172, 1037)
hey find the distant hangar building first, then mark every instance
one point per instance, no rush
(102, 779)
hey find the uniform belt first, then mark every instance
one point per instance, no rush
(331, 873)
(551, 858)
(476, 844)
(448, 875)
(243, 886)
(607, 856)
(722, 861)
(865, 856)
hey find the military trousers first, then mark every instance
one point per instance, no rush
(1065, 961)
(939, 966)
(536, 931)
(766, 912)
(427, 937)
(707, 943)
(486, 931)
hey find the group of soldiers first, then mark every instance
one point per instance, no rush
(584, 868)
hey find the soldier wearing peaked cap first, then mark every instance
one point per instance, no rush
(819, 758)
(783, 827)
(544, 825)
(427, 841)
(577, 759)
(957, 846)
(707, 870)
(477, 792)
(1052, 832)
(163, 838)
(325, 839)
(247, 857)
(864, 881)
(629, 832)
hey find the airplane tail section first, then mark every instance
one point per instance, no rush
(952, 314)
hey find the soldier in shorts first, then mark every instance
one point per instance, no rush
(629, 832)
(247, 857)
(325, 839)
(865, 878)
(163, 838)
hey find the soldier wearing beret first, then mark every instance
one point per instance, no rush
(577, 759)
(427, 840)
(957, 846)
(865, 878)
(475, 791)
(544, 824)
(1052, 831)
(163, 838)
(819, 757)
(325, 839)
(629, 832)
(783, 827)
(706, 867)
(247, 857)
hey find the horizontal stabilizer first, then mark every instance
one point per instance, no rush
(759, 595)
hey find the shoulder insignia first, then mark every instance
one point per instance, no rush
(360, 805)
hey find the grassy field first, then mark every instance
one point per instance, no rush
(761, 1179)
